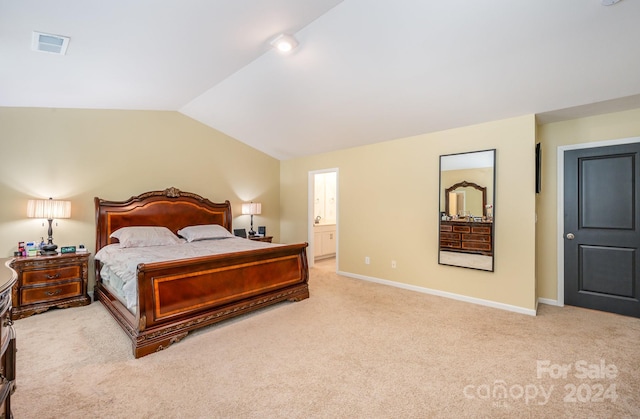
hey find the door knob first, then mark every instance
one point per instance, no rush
(570, 236)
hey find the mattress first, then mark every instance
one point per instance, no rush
(119, 265)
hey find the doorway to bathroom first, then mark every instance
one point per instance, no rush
(323, 217)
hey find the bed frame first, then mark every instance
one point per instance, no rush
(179, 296)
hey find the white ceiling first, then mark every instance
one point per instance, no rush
(365, 71)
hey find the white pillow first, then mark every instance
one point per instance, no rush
(204, 232)
(145, 236)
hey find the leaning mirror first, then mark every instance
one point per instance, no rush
(467, 196)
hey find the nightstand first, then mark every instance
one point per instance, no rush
(49, 281)
(261, 238)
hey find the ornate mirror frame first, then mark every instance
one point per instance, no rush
(467, 241)
(465, 184)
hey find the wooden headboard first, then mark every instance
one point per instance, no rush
(170, 208)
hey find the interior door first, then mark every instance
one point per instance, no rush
(601, 237)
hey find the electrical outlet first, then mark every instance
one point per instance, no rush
(393, 264)
(367, 260)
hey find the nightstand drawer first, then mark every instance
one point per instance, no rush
(33, 295)
(47, 275)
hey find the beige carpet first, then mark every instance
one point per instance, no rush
(353, 350)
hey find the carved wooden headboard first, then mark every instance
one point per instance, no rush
(170, 208)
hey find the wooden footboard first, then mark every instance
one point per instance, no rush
(179, 296)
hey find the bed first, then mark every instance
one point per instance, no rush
(177, 296)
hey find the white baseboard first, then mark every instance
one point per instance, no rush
(445, 294)
(550, 302)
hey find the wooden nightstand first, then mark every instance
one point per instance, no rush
(261, 238)
(49, 281)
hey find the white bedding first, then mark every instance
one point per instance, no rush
(120, 264)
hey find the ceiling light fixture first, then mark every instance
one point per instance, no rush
(284, 43)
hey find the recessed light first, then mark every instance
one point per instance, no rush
(284, 43)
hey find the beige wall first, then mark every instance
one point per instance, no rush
(79, 154)
(388, 209)
(583, 130)
(387, 191)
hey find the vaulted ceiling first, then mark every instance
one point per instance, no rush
(364, 71)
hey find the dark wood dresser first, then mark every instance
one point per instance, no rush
(467, 237)
(8, 278)
(49, 281)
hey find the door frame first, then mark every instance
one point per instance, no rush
(310, 201)
(560, 198)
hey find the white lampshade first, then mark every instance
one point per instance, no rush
(48, 209)
(252, 208)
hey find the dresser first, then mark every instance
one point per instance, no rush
(44, 282)
(467, 236)
(8, 278)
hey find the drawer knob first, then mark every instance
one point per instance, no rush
(56, 276)
(52, 293)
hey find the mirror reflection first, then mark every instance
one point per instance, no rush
(467, 186)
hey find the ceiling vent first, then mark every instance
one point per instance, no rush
(53, 44)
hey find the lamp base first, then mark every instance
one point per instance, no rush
(49, 250)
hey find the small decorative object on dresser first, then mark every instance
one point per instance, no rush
(49, 281)
(7, 340)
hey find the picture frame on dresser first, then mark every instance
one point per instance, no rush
(466, 214)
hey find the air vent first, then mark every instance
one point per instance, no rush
(52, 44)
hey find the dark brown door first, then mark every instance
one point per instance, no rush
(601, 232)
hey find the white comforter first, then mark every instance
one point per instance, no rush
(120, 264)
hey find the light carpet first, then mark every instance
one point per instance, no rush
(353, 350)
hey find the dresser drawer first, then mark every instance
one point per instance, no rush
(476, 246)
(6, 331)
(476, 238)
(481, 230)
(33, 295)
(8, 359)
(449, 236)
(461, 229)
(40, 276)
(444, 244)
